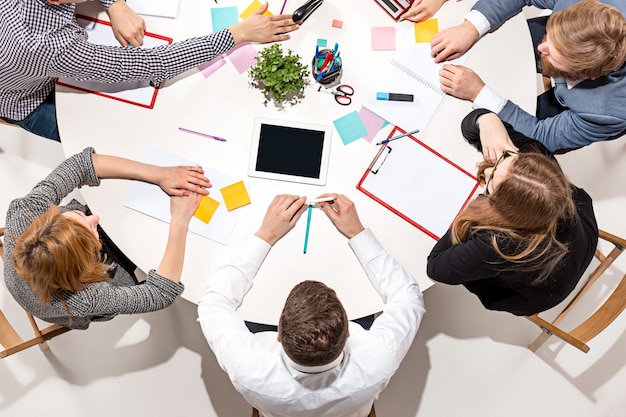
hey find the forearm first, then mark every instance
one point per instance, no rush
(171, 265)
(108, 166)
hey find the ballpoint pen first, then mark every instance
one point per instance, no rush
(182, 129)
(308, 226)
(382, 142)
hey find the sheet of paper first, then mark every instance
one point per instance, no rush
(243, 56)
(137, 92)
(419, 185)
(223, 17)
(410, 71)
(208, 68)
(350, 127)
(235, 196)
(383, 38)
(253, 7)
(425, 30)
(162, 8)
(372, 123)
(152, 201)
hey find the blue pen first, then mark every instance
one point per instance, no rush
(308, 226)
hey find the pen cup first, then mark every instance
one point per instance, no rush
(332, 75)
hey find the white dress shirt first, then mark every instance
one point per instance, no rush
(261, 371)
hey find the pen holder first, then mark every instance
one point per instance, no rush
(331, 76)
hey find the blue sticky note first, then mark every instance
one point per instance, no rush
(322, 42)
(224, 17)
(350, 127)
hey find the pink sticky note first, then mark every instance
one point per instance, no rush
(372, 123)
(337, 23)
(211, 66)
(383, 38)
(243, 56)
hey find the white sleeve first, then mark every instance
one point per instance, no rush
(489, 99)
(479, 21)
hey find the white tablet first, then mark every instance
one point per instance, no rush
(290, 151)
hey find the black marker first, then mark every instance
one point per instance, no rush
(394, 96)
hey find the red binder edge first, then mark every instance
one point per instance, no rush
(359, 186)
(156, 89)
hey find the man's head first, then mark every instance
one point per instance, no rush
(313, 326)
(586, 40)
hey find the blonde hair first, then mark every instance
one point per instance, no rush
(591, 36)
(56, 254)
(523, 212)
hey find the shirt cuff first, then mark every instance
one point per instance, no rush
(489, 99)
(479, 21)
(254, 250)
(365, 245)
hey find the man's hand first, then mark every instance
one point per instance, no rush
(183, 180)
(128, 27)
(453, 42)
(460, 82)
(263, 29)
(493, 137)
(282, 215)
(343, 215)
(422, 10)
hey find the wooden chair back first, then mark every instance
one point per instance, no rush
(602, 317)
(11, 341)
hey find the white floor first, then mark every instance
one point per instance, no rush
(466, 361)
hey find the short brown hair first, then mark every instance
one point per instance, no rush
(55, 254)
(313, 326)
(591, 36)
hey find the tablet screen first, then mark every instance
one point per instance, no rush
(290, 151)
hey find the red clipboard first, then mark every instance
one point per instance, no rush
(138, 93)
(394, 8)
(418, 184)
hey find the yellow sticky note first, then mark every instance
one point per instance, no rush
(425, 30)
(253, 7)
(235, 195)
(206, 209)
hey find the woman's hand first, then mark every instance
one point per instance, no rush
(422, 10)
(493, 137)
(183, 207)
(183, 180)
(263, 29)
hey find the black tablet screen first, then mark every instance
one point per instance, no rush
(290, 150)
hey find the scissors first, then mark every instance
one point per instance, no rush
(342, 94)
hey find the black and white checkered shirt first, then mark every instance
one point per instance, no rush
(40, 42)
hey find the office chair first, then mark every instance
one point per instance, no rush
(12, 341)
(601, 318)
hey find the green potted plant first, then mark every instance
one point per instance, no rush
(280, 77)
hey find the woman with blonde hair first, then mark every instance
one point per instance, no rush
(61, 267)
(524, 244)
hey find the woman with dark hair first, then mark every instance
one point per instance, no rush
(522, 245)
(61, 267)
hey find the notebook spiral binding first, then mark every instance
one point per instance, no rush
(417, 76)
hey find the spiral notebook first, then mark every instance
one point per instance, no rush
(410, 71)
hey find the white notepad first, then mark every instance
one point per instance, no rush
(410, 71)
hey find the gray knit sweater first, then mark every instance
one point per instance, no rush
(98, 301)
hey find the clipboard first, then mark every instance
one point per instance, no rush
(418, 184)
(139, 93)
(394, 8)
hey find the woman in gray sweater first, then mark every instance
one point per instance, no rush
(54, 265)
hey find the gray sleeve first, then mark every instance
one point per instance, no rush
(106, 299)
(499, 11)
(567, 129)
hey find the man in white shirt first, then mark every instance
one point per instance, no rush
(318, 364)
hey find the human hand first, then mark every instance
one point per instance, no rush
(342, 213)
(183, 180)
(263, 29)
(128, 27)
(453, 42)
(182, 208)
(460, 82)
(493, 137)
(422, 10)
(282, 215)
